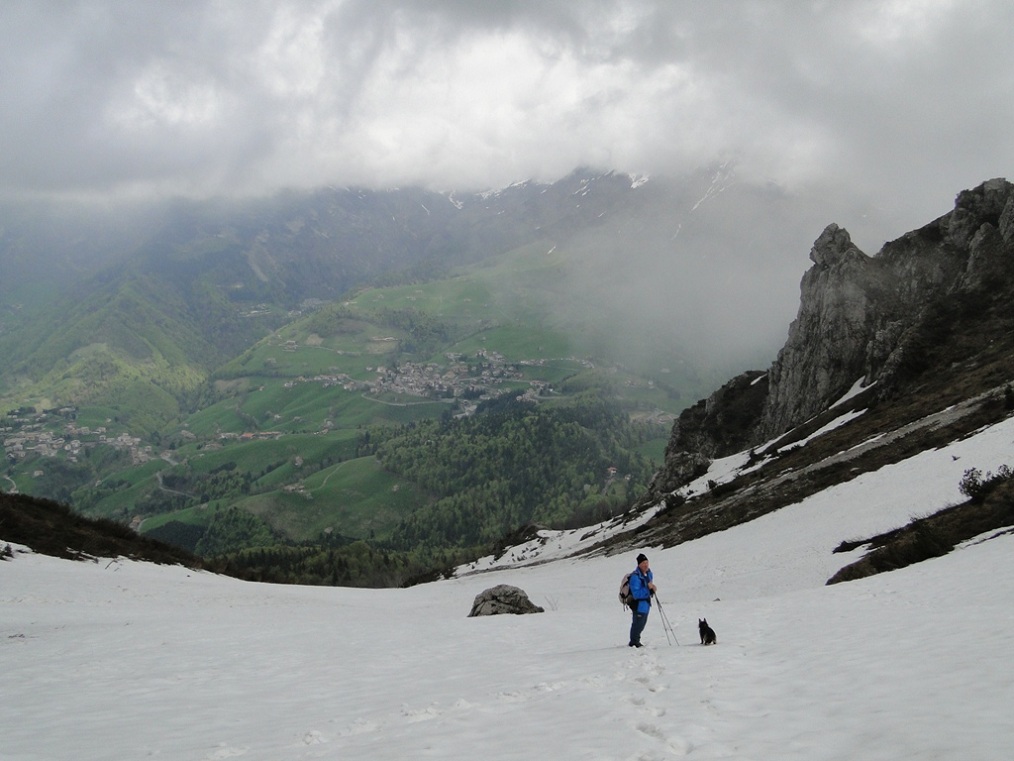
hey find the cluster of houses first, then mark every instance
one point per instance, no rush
(27, 434)
(458, 380)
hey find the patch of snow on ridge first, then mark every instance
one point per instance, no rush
(552, 544)
(720, 471)
(857, 388)
(493, 193)
(838, 422)
(721, 181)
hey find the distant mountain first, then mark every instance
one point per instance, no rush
(98, 304)
(245, 376)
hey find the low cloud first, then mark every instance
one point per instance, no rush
(869, 114)
(881, 98)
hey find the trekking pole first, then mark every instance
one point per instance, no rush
(662, 618)
(665, 628)
(666, 625)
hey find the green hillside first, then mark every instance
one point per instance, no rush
(296, 431)
(139, 347)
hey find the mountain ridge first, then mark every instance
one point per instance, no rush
(930, 368)
(871, 323)
(217, 263)
(229, 258)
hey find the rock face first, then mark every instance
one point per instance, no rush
(840, 306)
(723, 422)
(502, 598)
(859, 319)
(856, 313)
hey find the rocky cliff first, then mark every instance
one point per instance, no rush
(864, 323)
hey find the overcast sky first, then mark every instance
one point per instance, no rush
(901, 102)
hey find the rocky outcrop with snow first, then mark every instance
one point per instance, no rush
(857, 313)
(860, 317)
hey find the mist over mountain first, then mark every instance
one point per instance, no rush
(174, 362)
(703, 263)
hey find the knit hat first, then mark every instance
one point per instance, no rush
(641, 558)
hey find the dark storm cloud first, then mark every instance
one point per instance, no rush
(243, 96)
(902, 103)
(869, 113)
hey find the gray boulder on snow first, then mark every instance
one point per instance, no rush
(503, 598)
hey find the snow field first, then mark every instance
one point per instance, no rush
(127, 660)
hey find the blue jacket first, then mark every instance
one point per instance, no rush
(639, 589)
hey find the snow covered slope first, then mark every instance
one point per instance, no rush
(123, 660)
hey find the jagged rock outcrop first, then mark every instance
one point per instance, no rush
(503, 598)
(843, 296)
(723, 422)
(860, 318)
(858, 313)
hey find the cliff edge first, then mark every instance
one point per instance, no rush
(876, 327)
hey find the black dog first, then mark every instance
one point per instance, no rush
(707, 633)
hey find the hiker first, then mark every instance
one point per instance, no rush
(642, 588)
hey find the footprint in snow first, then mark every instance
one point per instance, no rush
(424, 714)
(674, 746)
(647, 682)
(226, 751)
(313, 737)
(359, 727)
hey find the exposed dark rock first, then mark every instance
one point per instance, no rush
(503, 598)
(860, 318)
(723, 422)
(826, 350)
(52, 528)
(856, 312)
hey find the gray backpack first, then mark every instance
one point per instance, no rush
(626, 598)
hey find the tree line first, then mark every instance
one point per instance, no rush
(512, 464)
(515, 463)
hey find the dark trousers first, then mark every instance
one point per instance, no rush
(637, 625)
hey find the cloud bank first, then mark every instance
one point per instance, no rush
(877, 99)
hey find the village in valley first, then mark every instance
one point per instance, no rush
(463, 382)
(53, 433)
(460, 381)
